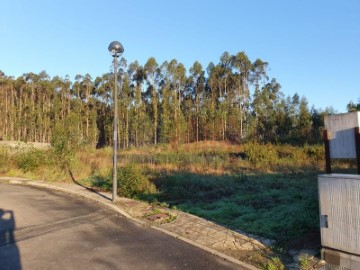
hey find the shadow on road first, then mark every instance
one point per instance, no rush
(9, 253)
(90, 189)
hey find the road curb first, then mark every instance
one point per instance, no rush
(111, 206)
(212, 251)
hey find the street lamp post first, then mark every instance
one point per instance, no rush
(116, 49)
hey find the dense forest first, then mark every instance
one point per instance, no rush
(232, 100)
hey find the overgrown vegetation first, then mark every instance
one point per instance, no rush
(132, 182)
(276, 206)
(167, 116)
(268, 190)
(31, 160)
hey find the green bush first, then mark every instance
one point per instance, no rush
(263, 155)
(31, 160)
(284, 158)
(133, 182)
(315, 152)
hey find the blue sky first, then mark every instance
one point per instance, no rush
(312, 46)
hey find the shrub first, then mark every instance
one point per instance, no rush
(66, 139)
(261, 155)
(30, 160)
(315, 152)
(132, 182)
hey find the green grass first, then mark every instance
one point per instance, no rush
(276, 206)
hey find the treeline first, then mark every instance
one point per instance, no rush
(158, 104)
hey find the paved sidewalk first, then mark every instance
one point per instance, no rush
(247, 252)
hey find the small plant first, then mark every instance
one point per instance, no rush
(304, 263)
(274, 264)
(171, 218)
(155, 211)
(133, 182)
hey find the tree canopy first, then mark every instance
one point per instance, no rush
(232, 100)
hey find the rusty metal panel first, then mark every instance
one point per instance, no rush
(339, 198)
(341, 137)
(339, 260)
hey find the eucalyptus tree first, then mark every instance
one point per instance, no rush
(46, 95)
(83, 104)
(125, 109)
(305, 122)
(265, 105)
(62, 88)
(317, 119)
(152, 77)
(3, 105)
(258, 72)
(243, 66)
(173, 86)
(353, 107)
(220, 75)
(197, 87)
(88, 86)
(171, 107)
(77, 103)
(7, 107)
(167, 105)
(210, 103)
(31, 80)
(222, 92)
(248, 77)
(177, 76)
(19, 91)
(103, 95)
(138, 76)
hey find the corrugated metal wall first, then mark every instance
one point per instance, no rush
(339, 197)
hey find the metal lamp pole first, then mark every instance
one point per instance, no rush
(116, 49)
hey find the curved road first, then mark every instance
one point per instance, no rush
(46, 229)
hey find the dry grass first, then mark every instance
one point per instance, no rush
(24, 145)
(207, 157)
(211, 146)
(93, 162)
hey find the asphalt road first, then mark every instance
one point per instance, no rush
(46, 229)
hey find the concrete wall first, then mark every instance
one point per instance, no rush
(341, 134)
(339, 198)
